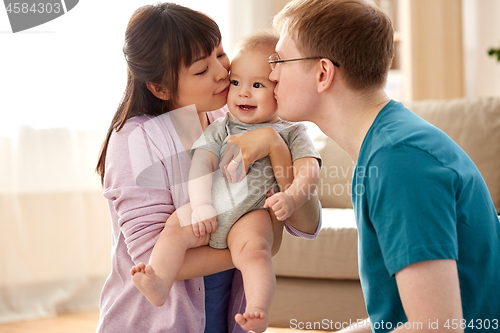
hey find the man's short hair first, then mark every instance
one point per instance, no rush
(354, 33)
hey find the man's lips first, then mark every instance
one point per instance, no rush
(223, 91)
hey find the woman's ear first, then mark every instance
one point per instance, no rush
(325, 75)
(159, 90)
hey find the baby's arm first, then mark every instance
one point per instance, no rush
(204, 216)
(305, 182)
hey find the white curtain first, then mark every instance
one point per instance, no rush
(54, 224)
(60, 84)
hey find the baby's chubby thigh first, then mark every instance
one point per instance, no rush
(253, 231)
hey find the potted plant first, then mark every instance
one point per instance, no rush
(495, 52)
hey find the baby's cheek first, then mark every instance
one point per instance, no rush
(231, 94)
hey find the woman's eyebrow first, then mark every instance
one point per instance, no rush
(204, 56)
(200, 58)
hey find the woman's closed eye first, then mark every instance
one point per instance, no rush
(202, 72)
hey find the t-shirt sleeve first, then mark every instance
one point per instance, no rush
(300, 234)
(301, 145)
(212, 138)
(412, 206)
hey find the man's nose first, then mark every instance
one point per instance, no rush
(274, 75)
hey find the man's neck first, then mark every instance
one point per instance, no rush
(347, 116)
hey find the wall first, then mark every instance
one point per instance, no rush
(246, 17)
(481, 31)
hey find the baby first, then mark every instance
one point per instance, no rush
(238, 211)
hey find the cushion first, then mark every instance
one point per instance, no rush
(303, 303)
(333, 255)
(335, 179)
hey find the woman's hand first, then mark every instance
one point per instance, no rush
(246, 148)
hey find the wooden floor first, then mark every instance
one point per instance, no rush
(82, 322)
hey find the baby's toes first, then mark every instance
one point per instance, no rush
(240, 319)
(249, 315)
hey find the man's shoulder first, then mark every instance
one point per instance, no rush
(398, 131)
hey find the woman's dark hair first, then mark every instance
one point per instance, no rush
(159, 40)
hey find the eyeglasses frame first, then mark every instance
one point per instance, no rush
(271, 62)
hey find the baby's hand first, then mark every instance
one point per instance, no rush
(204, 220)
(282, 205)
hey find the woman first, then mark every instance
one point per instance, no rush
(175, 59)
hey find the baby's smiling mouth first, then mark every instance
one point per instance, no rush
(246, 107)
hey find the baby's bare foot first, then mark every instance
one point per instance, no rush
(150, 284)
(253, 319)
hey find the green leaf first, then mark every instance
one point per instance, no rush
(493, 52)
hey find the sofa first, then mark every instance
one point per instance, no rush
(318, 284)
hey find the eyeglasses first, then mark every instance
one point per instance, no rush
(275, 59)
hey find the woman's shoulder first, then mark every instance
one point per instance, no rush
(137, 121)
(119, 140)
(145, 132)
(141, 140)
(130, 125)
(151, 126)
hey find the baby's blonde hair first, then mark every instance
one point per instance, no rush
(264, 40)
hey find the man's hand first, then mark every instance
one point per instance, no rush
(246, 148)
(204, 220)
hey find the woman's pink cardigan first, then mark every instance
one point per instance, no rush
(145, 180)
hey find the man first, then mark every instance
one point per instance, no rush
(429, 236)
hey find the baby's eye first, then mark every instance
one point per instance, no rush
(235, 83)
(258, 85)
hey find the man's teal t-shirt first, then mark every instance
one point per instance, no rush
(417, 196)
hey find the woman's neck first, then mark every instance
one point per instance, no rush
(203, 120)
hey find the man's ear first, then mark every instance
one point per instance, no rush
(159, 90)
(325, 75)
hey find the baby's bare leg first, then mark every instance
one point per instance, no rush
(250, 241)
(156, 279)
